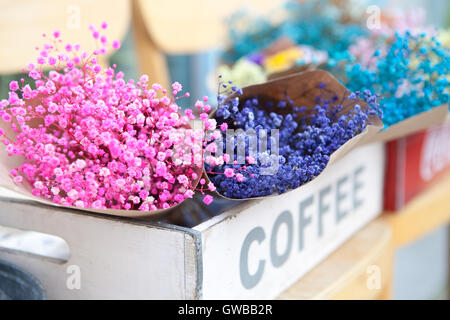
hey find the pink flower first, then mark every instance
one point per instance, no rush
(116, 44)
(183, 179)
(114, 147)
(199, 104)
(79, 204)
(34, 74)
(73, 194)
(179, 198)
(13, 85)
(226, 157)
(189, 194)
(120, 183)
(161, 169)
(143, 194)
(40, 60)
(161, 156)
(38, 185)
(51, 61)
(80, 163)
(112, 143)
(229, 173)
(212, 147)
(165, 196)
(156, 87)
(97, 204)
(211, 187)
(224, 126)
(177, 86)
(189, 114)
(208, 199)
(6, 117)
(210, 124)
(144, 78)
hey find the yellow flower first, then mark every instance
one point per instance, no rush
(243, 73)
(444, 37)
(282, 60)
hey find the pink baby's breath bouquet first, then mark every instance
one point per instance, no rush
(80, 135)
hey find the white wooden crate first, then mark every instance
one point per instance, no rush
(254, 250)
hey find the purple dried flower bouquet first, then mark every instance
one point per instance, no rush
(289, 129)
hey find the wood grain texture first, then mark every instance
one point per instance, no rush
(22, 24)
(151, 58)
(117, 258)
(180, 26)
(426, 212)
(344, 274)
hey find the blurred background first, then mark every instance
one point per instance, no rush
(185, 41)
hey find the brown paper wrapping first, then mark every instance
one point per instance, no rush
(303, 88)
(291, 71)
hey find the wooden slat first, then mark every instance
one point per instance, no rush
(426, 212)
(116, 258)
(346, 272)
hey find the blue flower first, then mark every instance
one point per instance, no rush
(323, 24)
(411, 76)
(305, 140)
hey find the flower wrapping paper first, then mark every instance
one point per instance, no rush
(302, 89)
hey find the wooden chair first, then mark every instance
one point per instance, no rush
(23, 22)
(183, 27)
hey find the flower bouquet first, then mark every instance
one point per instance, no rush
(79, 135)
(281, 58)
(284, 133)
(410, 71)
(299, 36)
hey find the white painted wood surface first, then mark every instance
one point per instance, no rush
(275, 251)
(121, 258)
(117, 258)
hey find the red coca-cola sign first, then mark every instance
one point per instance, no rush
(413, 163)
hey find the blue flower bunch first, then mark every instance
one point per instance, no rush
(411, 75)
(305, 140)
(322, 24)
